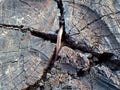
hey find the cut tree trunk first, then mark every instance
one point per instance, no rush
(91, 27)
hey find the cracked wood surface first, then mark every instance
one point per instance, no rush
(23, 57)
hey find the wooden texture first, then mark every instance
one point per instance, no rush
(23, 57)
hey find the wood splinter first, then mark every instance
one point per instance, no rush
(56, 51)
(59, 39)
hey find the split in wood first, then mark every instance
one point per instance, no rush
(61, 37)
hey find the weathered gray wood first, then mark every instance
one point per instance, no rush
(23, 56)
